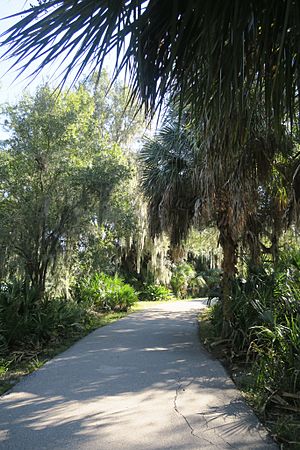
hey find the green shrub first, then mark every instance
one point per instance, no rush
(15, 311)
(155, 292)
(105, 293)
(115, 294)
(86, 290)
(24, 321)
(212, 278)
(59, 317)
(198, 286)
(266, 324)
(182, 275)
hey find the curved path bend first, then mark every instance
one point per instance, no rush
(142, 383)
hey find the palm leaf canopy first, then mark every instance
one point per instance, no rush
(167, 164)
(188, 183)
(211, 53)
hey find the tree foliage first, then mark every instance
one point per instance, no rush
(59, 172)
(189, 181)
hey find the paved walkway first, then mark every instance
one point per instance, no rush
(142, 383)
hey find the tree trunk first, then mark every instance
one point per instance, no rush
(255, 254)
(275, 248)
(38, 283)
(229, 246)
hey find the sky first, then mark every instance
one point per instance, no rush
(11, 89)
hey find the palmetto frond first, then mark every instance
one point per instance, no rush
(211, 53)
(168, 161)
(190, 179)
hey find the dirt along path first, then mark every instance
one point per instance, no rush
(142, 383)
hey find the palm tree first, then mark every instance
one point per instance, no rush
(169, 160)
(211, 54)
(188, 181)
(183, 186)
(223, 59)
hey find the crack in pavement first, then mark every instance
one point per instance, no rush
(185, 418)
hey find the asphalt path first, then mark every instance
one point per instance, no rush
(142, 383)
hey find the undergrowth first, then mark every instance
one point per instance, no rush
(263, 349)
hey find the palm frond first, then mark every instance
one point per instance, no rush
(212, 54)
(167, 161)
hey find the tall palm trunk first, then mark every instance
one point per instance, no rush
(254, 247)
(229, 247)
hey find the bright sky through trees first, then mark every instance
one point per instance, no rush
(11, 88)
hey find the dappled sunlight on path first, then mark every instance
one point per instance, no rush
(141, 383)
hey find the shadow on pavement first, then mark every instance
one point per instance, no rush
(138, 375)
